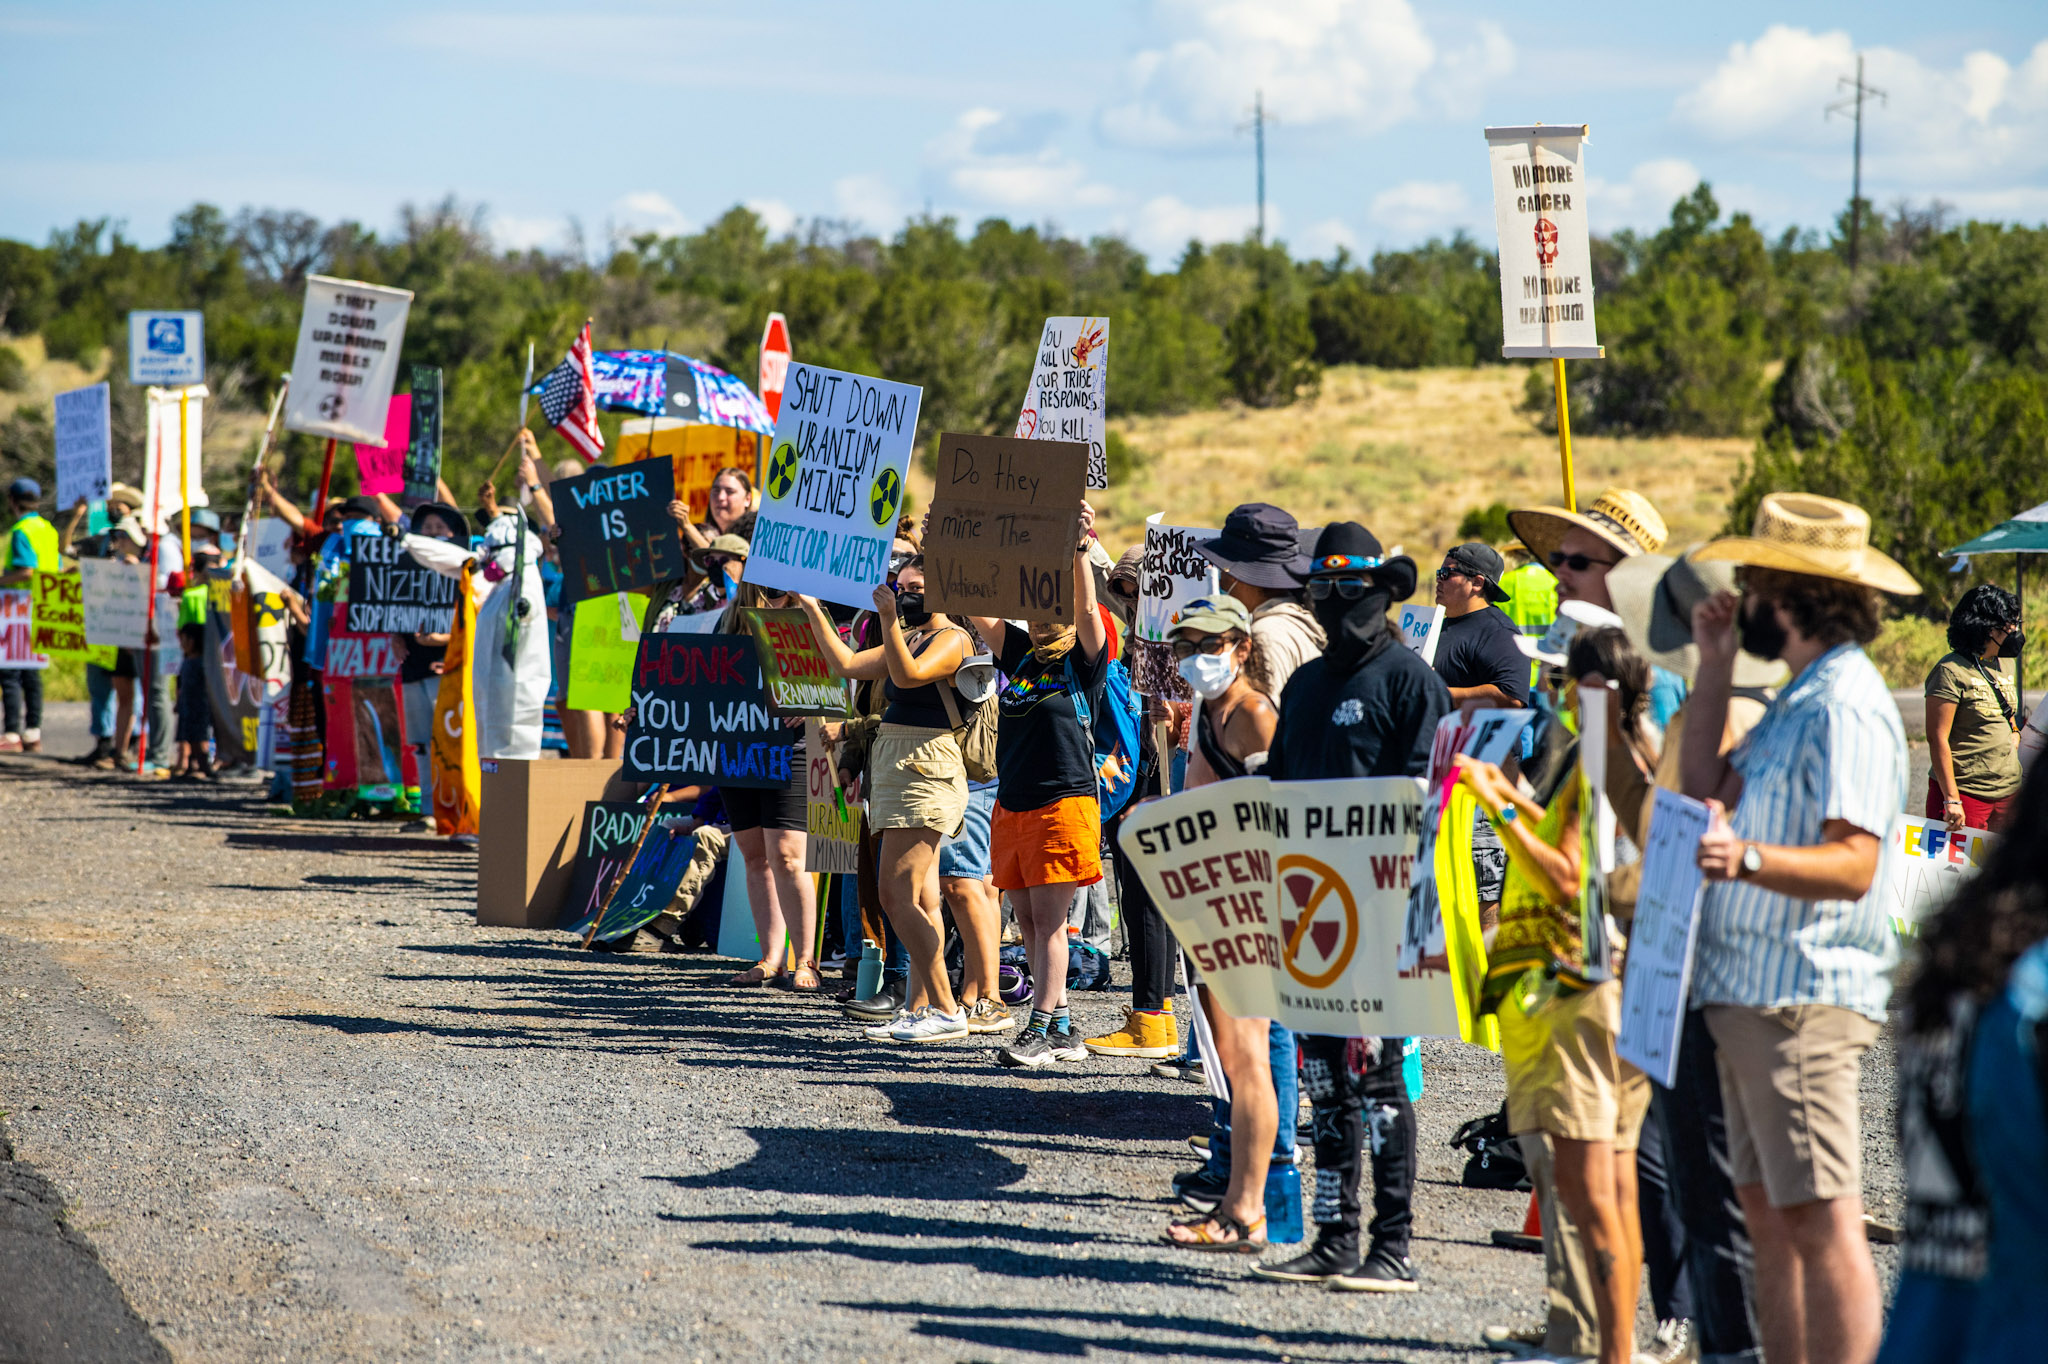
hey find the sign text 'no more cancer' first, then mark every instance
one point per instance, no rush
(1290, 898)
(1546, 259)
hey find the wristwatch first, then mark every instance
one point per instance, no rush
(1752, 861)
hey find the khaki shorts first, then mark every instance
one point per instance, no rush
(916, 780)
(1788, 1084)
(1564, 1076)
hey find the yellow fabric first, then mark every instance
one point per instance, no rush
(1535, 934)
(1457, 888)
(456, 773)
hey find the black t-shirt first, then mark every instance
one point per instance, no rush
(1377, 721)
(922, 706)
(1042, 753)
(1478, 648)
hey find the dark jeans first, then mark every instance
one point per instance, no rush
(1356, 1103)
(21, 692)
(1152, 944)
(1714, 1264)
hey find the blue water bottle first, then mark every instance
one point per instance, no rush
(869, 979)
(1283, 1202)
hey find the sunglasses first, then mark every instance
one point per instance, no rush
(713, 563)
(1208, 644)
(1577, 563)
(1350, 589)
(1448, 572)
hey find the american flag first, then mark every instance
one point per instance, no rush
(568, 399)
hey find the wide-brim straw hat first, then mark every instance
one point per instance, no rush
(1621, 517)
(1654, 594)
(1820, 537)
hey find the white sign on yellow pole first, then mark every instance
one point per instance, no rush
(1546, 255)
(171, 453)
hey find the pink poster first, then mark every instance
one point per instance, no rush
(382, 467)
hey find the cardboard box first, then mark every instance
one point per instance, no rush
(526, 833)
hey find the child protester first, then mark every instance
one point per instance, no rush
(195, 716)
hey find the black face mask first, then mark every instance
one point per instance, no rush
(910, 609)
(1756, 626)
(1357, 629)
(2011, 647)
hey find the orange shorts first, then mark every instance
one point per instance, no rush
(1054, 843)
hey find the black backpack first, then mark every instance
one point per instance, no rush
(1496, 1159)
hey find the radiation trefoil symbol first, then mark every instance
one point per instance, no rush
(884, 495)
(781, 471)
(1546, 242)
(1317, 942)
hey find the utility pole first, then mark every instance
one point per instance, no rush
(1258, 129)
(1853, 104)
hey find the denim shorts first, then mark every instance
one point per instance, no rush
(967, 854)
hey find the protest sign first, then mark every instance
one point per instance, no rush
(364, 741)
(358, 653)
(698, 451)
(1421, 627)
(1172, 574)
(234, 695)
(774, 363)
(58, 607)
(1004, 523)
(700, 715)
(423, 438)
(381, 468)
(616, 531)
(604, 637)
(269, 543)
(167, 495)
(17, 631)
(651, 884)
(346, 361)
(834, 484)
(85, 445)
(833, 841)
(1069, 394)
(1923, 864)
(1658, 974)
(1546, 263)
(793, 666)
(390, 592)
(606, 837)
(117, 602)
(1290, 897)
(166, 349)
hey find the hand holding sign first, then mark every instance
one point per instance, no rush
(1000, 540)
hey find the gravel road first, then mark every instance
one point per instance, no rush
(303, 1108)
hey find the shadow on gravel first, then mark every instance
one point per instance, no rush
(1053, 1111)
(1000, 1327)
(340, 842)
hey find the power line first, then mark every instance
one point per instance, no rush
(1859, 89)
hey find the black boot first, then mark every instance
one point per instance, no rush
(1330, 1256)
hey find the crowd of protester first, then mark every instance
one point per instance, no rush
(1736, 674)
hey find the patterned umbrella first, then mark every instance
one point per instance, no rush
(661, 383)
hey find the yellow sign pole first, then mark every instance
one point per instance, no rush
(184, 476)
(1564, 433)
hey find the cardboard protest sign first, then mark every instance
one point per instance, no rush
(1923, 863)
(651, 883)
(358, 653)
(833, 826)
(85, 445)
(1658, 974)
(616, 530)
(346, 362)
(700, 714)
(604, 637)
(57, 605)
(793, 666)
(1546, 262)
(365, 739)
(698, 452)
(1004, 523)
(269, 543)
(1421, 627)
(390, 592)
(162, 491)
(167, 349)
(1069, 394)
(605, 839)
(834, 485)
(117, 602)
(423, 438)
(381, 468)
(1172, 574)
(1290, 897)
(17, 631)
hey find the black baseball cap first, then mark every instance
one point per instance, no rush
(1482, 562)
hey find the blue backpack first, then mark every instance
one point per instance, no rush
(1115, 732)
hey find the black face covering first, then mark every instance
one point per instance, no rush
(2011, 647)
(910, 609)
(1357, 629)
(1756, 626)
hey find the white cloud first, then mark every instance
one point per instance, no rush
(869, 201)
(647, 210)
(512, 232)
(1939, 127)
(775, 215)
(1164, 225)
(1419, 207)
(1359, 65)
(1645, 198)
(1009, 162)
(1321, 240)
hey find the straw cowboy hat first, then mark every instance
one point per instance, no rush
(1654, 594)
(1621, 517)
(1817, 536)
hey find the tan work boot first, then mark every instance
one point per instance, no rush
(1143, 1034)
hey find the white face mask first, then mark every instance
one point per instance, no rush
(1209, 674)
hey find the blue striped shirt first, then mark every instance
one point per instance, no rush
(1830, 747)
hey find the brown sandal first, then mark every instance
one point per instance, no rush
(802, 974)
(748, 979)
(1241, 1242)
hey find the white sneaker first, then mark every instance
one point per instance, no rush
(929, 1025)
(883, 1032)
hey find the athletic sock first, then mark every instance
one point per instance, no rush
(1041, 1022)
(1060, 1021)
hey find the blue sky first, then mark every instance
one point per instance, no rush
(1117, 116)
